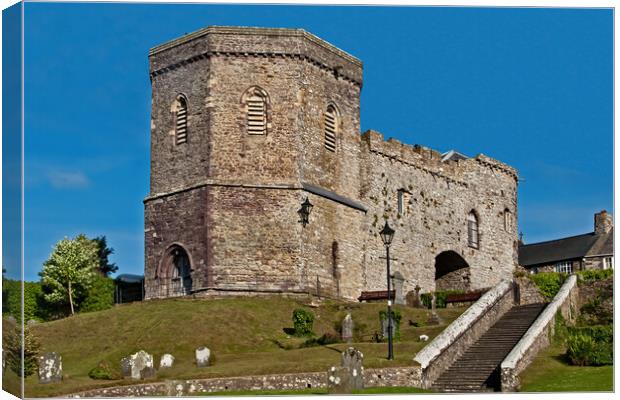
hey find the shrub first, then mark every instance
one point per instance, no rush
(33, 300)
(13, 343)
(103, 371)
(440, 297)
(548, 283)
(328, 338)
(592, 345)
(396, 318)
(302, 322)
(100, 296)
(594, 274)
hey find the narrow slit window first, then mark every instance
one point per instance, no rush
(507, 220)
(331, 128)
(257, 115)
(473, 237)
(181, 121)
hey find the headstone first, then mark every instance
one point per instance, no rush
(202, 356)
(347, 328)
(418, 299)
(50, 368)
(434, 319)
(166, 361)
(384, 328)
(126, 367)
(349, 375)
(398, 280)
(138, 366)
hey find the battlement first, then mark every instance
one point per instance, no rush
(254, 42)
(429, 159)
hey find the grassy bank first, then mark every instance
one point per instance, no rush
(246, 335)
(550, 372)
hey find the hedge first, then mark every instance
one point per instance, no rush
(590, 345)
(549, 283)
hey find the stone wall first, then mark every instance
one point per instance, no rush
(453, 341)
(230, 198)
(528, 291)
(381, 377)
(539, 334)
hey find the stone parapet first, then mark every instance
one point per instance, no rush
(538, 336)
(254, 42)
(380, 377)
(453, 341)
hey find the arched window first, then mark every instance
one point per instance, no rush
(507, 220)
(256, 106)
(331, 127)
(472, 230)
(180, 120)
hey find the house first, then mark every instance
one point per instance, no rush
(594, 250)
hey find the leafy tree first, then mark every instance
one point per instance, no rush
(103, 251)
(70, 270)
(32, 347)
(99, 296)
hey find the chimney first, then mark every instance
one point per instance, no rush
(603, 222)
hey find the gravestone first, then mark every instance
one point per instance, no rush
(50, 368)
(347, 328)
(398, 280)
(202, 356)
(385, 325)
(138, 366)
(166, 361)
(126, 367)
(349, 375)
(434, 319)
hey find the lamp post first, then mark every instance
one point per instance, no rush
(304, 212)
(387, 234)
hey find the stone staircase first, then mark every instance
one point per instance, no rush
(477, 370)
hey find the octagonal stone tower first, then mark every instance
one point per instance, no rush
(247, 123)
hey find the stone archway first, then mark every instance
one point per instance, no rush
(175, 270)
(451, 272)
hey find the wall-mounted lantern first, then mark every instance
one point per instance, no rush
(304, 212)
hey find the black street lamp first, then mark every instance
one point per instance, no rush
(304, 211)
(387, 234)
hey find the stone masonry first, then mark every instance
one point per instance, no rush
(222, 213)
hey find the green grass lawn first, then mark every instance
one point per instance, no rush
(245, 336)
(551, 373)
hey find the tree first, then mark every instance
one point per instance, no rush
(70, 270)
(13, 342)
(103, 251)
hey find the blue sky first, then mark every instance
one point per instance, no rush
(530, 87)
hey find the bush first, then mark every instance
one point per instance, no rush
(302, 322)
(548, 283)
(594, 274)
(103, 371)
(34, 307)
(396, 318)
(440, 298)
(328, 338)
(100, 296)
(591, 345)
(13, 341)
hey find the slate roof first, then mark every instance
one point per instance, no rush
(453, 155)
(129, 278)
(568, 248)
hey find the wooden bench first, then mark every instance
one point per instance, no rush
(376, 295)
(464, 297)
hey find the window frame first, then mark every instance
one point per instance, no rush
(181, 104)
(473, 230)
(330, 138)
(563, 267)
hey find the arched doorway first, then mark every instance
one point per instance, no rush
(174, 276)
(451, 272)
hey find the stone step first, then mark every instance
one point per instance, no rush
(475, 368)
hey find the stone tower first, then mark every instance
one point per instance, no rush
(246, 124)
